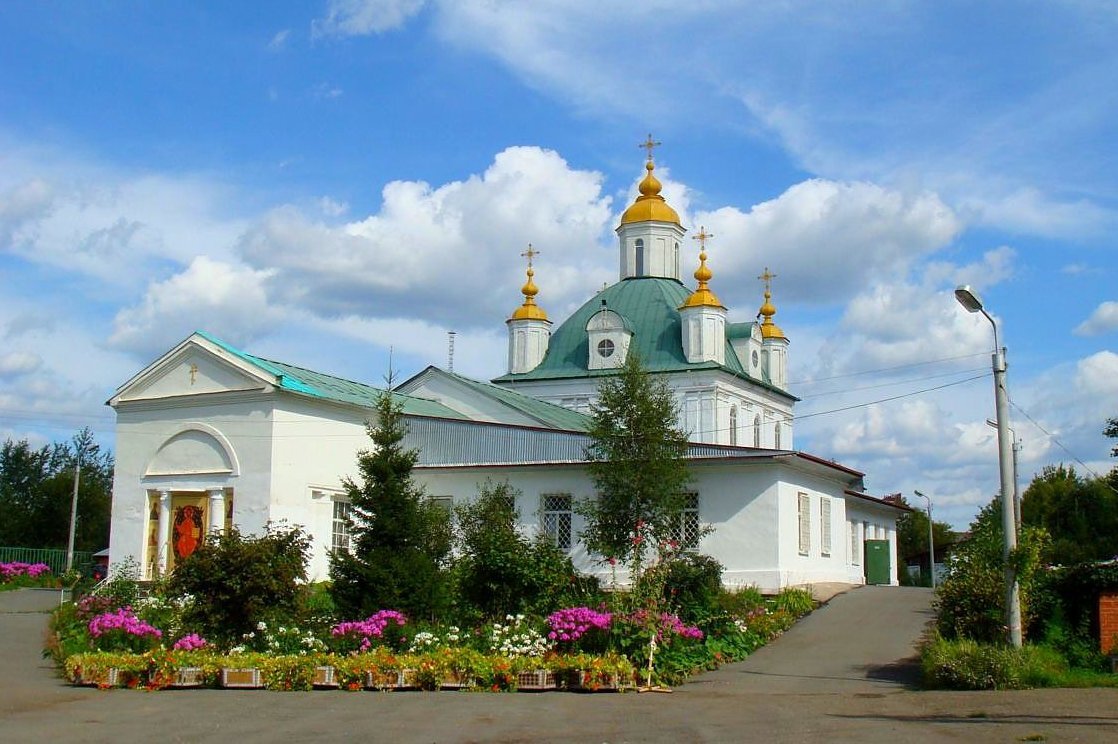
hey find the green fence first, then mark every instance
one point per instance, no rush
(56, 559)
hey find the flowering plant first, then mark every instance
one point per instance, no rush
(192, 642)
(515, 637)
(359, 635)
(121, 630)
(571, 624)
(282, 639)
(16, 569)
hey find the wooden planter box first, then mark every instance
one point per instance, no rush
(324, 677)
(458, 681)
(111, 677)
(241, 679)
(188, 677)
(590, 682)
(538, 680)
(404, 679)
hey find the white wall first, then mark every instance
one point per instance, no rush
(241, 419)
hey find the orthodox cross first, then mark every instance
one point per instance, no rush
(530, 253)
(649, 144)
(767, 278)
(193, 373)
(702, 237)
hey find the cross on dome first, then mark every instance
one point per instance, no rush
(650, 144)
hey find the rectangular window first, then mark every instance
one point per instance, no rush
(555, 518)
(688, 535)
(855, 545)
(444, 502)
(825, 525)
(340, 533)
(804, 513)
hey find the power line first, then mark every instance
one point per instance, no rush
(893, 383)
(894, 397)
(1060, 444)
(889, 369)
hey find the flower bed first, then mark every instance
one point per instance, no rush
(373, 670)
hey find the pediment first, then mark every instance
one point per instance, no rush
(192, 369)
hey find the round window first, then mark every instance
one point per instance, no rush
(605, 348)
(754, 358)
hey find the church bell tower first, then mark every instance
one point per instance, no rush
(529, 328)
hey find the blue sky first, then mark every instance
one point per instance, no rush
(321, 181)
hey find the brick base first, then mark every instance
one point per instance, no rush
(1108, 622)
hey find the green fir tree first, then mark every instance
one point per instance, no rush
(400, 540)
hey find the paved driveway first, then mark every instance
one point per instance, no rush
(838, 676)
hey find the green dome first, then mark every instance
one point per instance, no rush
(650, 307)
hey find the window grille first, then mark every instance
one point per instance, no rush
(776, 436)
(825, 525)
(733, 425)
(555, 516)
(804, 511)
(688, 532)
(340, 535)
(757, 430)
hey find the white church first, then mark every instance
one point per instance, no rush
(209, 435)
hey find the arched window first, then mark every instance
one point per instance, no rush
(757, 430)
(638, 245)
(733, 424)
(776, 435)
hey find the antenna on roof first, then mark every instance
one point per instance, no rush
(450, 350)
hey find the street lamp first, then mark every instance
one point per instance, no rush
(1016, 478)
(931, 540)
(969, 299)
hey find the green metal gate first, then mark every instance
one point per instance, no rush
(877, 562)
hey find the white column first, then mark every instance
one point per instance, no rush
(164, 540)
(217, 510)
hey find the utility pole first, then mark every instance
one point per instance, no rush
(931, 540)
(74, 507)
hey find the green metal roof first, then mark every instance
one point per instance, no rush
(327, 387)
(546, 413)
(651, 306)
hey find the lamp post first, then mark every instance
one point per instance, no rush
(1016, 478)
(970, 301)
(931, 540)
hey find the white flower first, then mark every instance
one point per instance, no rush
(261, 625)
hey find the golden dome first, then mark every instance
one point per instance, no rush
(702, 297)
(529, 310)
(768, 310)
(649, 206)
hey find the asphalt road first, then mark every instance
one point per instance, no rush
(839, 675)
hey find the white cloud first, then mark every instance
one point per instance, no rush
(825, 239)
(1104, 319)
(1097, 375)
(364, 17)
(16, 363)
(228, 299)
(279, 41)
(446, 254)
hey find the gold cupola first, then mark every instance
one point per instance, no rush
(529, 310)
(649, 206)
(702, 297)
(768, 310)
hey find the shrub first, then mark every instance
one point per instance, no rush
(794, 601)
(740, 601)
(245, 580)
(965, 664)
(692, 586)
(501, 572)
